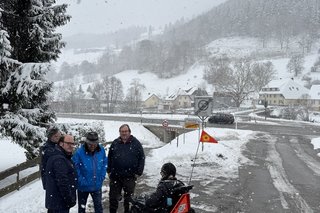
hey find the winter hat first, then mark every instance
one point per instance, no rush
(168, 169)
(92, 138)
(52, 131)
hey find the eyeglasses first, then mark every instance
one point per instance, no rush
(124, 131)
(69, 143)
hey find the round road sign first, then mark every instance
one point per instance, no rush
(165, 123)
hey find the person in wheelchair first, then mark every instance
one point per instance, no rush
(167, 194)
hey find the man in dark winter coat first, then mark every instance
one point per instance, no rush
(162, 200)
(61, 177)
(91, 164)
(125, 163)
(53, 135)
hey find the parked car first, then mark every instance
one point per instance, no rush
(223, 118)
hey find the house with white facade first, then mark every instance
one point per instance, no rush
(183, 98)
(284, 92)
(180, 99)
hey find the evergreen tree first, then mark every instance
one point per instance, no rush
(27, 36)
(31, 26)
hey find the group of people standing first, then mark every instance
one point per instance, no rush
(66, 173)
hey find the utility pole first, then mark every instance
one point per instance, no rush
(265, 107)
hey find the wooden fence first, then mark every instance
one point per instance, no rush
(19, 182)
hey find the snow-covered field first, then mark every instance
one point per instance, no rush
(226, 155)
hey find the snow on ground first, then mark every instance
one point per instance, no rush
(74, 56)
(316, 144)
(212, 162)
(11, 154)
(192, 78)
(222, 158)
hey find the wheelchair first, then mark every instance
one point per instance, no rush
(180, 203)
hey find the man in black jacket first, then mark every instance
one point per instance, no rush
(125, 163)
(53, 134)
(61, 177)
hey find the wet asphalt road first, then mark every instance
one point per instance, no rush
(284, 175)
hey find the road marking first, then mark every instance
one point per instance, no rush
(281, 182)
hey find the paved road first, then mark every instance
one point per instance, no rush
(284, 175)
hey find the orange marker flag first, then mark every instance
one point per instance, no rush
(206, 138)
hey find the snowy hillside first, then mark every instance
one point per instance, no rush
(236, 47)
(165, 87)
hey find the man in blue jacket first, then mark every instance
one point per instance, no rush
(61, 177)
(91, 164)
(125, 163)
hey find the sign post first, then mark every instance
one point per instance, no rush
(203, 109)
(165, 125)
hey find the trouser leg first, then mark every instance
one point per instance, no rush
(129, 185)
(97, 201)
(114, 194)
(82, 201)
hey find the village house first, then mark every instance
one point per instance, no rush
(314, 97)
(152, 102)
(283, 92)
(182, 99)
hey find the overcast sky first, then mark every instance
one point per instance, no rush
(102, 16)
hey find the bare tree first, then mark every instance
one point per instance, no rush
(110, 91)
(305, 108)
(236, 79)
(295, 65)
(115, 92)
(217, 67)
(263, 73)
(134, 96)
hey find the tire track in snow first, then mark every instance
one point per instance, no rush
(281, 182)
(307, 159)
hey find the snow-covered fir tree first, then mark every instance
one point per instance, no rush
(28, 37)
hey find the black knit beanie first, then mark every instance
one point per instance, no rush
(168, 169)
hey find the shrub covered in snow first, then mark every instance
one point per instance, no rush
(79, 130)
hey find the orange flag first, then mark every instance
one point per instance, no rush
(206, 138)
(183, 204)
